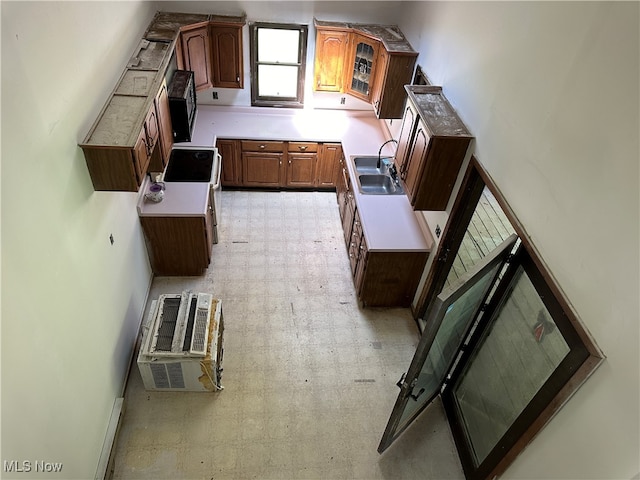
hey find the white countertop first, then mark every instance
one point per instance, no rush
(389, 222)
(181, 199)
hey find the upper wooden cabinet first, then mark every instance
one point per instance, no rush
(226, 48)
(124, 139)
(331, 49)
(213, 51)
(361, 65)
(370, 62)
(432, 145)
(196, 54)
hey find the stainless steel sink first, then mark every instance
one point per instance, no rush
(376, 180)
(369, 165)
(379, 185)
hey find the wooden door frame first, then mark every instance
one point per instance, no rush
(473, 183)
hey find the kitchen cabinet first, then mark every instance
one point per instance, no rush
(370, 62)
(393, 72)
(121, 143)
(179, 245)
(213, 51)
(331, 49)
(279, 164)
(388, 279)
(226, 48)
(196, 54)
(302, 159)
(433, 143)
(165, 131)
(121, 167)
(329, 156)
(355, 242)
(361, 65)
(231, 162)
(381, 279)
(346, 204)
(263, 163)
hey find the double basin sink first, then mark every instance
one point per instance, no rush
(375, 177)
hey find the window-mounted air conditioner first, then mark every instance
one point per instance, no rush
(182, 344)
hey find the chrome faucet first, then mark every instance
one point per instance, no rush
(380, 151)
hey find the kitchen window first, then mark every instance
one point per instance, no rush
(278, 60)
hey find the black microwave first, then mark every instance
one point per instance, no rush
(182, 105)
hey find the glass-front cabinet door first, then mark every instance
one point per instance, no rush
(361, 70)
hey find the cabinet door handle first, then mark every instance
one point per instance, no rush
(302, 147)
(237, 78)
(289, 162)
(262, 147)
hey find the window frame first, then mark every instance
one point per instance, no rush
(562, 384)
(270, 101)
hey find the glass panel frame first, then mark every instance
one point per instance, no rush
(549, 397)
(573, 371)
(404, 412)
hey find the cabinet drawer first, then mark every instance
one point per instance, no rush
(257, 146)
(303, 147)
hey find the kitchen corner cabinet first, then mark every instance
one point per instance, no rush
(231, 175)
(432, 145)
(362, 61)
(179, 245)
(370, 62)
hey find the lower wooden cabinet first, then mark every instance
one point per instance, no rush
(179, 245)
(381, 279)
(262, 163)
(329, 156)
(388, 279)
(231, 175)
(279, 164)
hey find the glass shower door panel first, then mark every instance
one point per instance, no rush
(516, 356)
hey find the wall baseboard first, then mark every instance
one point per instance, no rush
(104, 469)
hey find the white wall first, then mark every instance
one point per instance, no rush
(71, 302)
(551, 91)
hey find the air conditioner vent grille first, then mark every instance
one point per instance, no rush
(200, 331)
(167, 325)
(189, 329)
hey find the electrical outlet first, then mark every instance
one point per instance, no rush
(438, 231)
(111, 239)
(342, 100)
(215, 95)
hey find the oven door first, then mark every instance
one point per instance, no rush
(215, 192)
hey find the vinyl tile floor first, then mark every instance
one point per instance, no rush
(309, 376)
